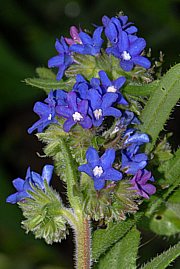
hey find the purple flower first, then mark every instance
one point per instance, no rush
(114, 27)
(101, 106)
(140, 185)
(74, 112)
(100, 168)
(89, 45)
(47, 111)
(32, 178)
(129, 49)
(63, 60)
(132, 161)
(113, 86)
(75, 36)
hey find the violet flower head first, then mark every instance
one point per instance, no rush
(32, 179)
(74, 112)
(113, 86)
(47, 112)
(74, 33)
(100, 168)
(90, 45)
(101, 106)
(132, 160)
(140, 185)
(63, 60)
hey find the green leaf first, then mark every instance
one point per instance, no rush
(46, 73)
(141, 89)
(103, 239)
(164, 259)
(160, 105)
(171, 169)
(49, 84)
(122, 253)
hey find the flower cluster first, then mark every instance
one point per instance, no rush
(87, 104)
(97, 104)
(121, 34)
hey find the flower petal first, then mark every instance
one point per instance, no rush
(69, 123)
(107, 158)
(142, 61)
(99, 183)
(126, 65)
(112, 174)
(92, 157)
(86, 169)
(137, 46)
(56, 61)
(18, 183)
(47, 173)
(86, 123)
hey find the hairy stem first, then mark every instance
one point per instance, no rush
(83, 245)
(82, 232)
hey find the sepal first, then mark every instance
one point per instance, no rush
(43, 216)
(110, 203)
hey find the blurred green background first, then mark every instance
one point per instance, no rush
(28, 29)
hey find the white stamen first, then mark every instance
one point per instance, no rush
(50, 117)
(111, 89)
(77, 116)
(126, 56)
(97, 113)
(97, 171)
(116, 129)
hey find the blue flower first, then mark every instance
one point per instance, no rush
(114, 27)
(100, 168)
(74, 112)
(47, 111)
(63, 60)
(140, 185)
(128, 50)
(32, 179)
(132, 161)
(126, 119)
(90, 45)
(101, 106)
(113, 86)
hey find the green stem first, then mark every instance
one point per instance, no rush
(82, 231)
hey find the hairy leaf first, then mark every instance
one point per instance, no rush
(160, 105)
(49, 84)
(46, 73)
(141, 89)
(123, 253)
(164, 259)
(103, 239)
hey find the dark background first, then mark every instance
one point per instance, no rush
(28, 29)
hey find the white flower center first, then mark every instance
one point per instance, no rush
(98, 171)
(50, 117)
(77, 116)
(97, 113)
(126, 56)
(111, 89)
